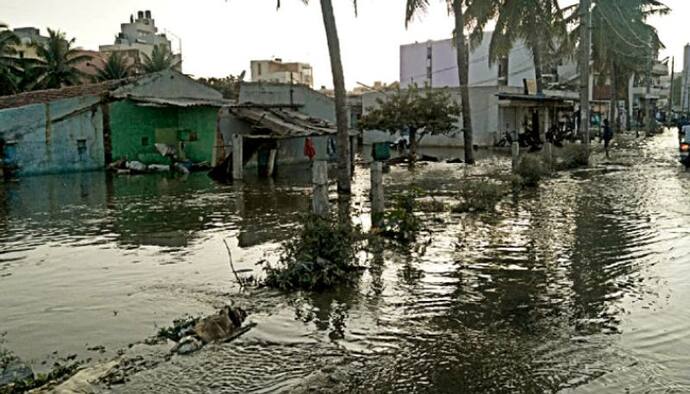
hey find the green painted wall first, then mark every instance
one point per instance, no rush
(202, 121)
(134, 131)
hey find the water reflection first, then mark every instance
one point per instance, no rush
(559, 290)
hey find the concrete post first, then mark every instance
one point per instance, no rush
(271, 162)
(237, 157)
(378, 205)
(516, 155)
(548, 155)
(320, 203)
(353, 153)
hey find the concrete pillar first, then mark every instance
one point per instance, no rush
(271, 162)
(320, 203)
(237, 157)
(548, 155)
(516, 155)
(378, 205)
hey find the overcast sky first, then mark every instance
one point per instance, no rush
(220, 37)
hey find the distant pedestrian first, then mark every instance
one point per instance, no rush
(608, 136)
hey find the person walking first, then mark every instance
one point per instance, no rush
(607, 136)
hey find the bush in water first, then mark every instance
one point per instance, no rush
(572, 156)
(480, 196)
(531, 170)
(321, 256)
(400, 223)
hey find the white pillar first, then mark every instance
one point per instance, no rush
(320, 203)
(516, 155)
(271, 162)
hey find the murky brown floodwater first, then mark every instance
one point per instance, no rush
(581, 285)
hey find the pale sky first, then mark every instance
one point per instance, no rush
(220, 37)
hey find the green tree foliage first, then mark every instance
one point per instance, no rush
(10, 67)
(56, 64)
(116, 67)
(229, 86)
(161, 59)
(416, 110)
(457, 9)
(321, 256)
(539, 23)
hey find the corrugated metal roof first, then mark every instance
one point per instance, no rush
(179, 102)
(281, 123)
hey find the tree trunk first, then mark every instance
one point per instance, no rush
(463, 78)
(536, 57)
(413, 144)
(343, 140)
(585, 45)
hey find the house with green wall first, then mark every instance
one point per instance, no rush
(165, 108)
(87, 127)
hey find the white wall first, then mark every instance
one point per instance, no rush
(413, 64)
(685, 93)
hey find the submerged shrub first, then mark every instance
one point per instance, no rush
(321, 256)
(431, 205)
(531, 170)
(400, 222)
(572, 156)
(479, 196)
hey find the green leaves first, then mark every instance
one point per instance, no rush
(429, 110)
(161, 59)
(320, 257)
(57, 63)
(116, 67)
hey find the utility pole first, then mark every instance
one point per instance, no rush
(647, 103)
(585, 44)
(673, 76)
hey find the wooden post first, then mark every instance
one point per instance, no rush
(378, 205)
(320, 203)
(271, 162)
(353, 152)
(237, 157)
(516, 155)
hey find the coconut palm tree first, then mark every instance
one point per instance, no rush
(623, 43)
(10, 67)
(116, 67)
(539, 23)
(161, 59)
(457, 8)
(343, 138)
(56, 64)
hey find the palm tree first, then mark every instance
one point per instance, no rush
(116, 67)
(457, 8)
(161, 59)
(623, 43)
(539, 23)
(10, 68)
(343, 137)
(56, 64)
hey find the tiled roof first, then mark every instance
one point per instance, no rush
(45, 96)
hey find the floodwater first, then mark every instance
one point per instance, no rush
(578, 286)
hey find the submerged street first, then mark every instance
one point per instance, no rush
(579, 285)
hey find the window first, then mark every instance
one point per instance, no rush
(144, 141)
(81, 149)
(193, 136)
(258, 69)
